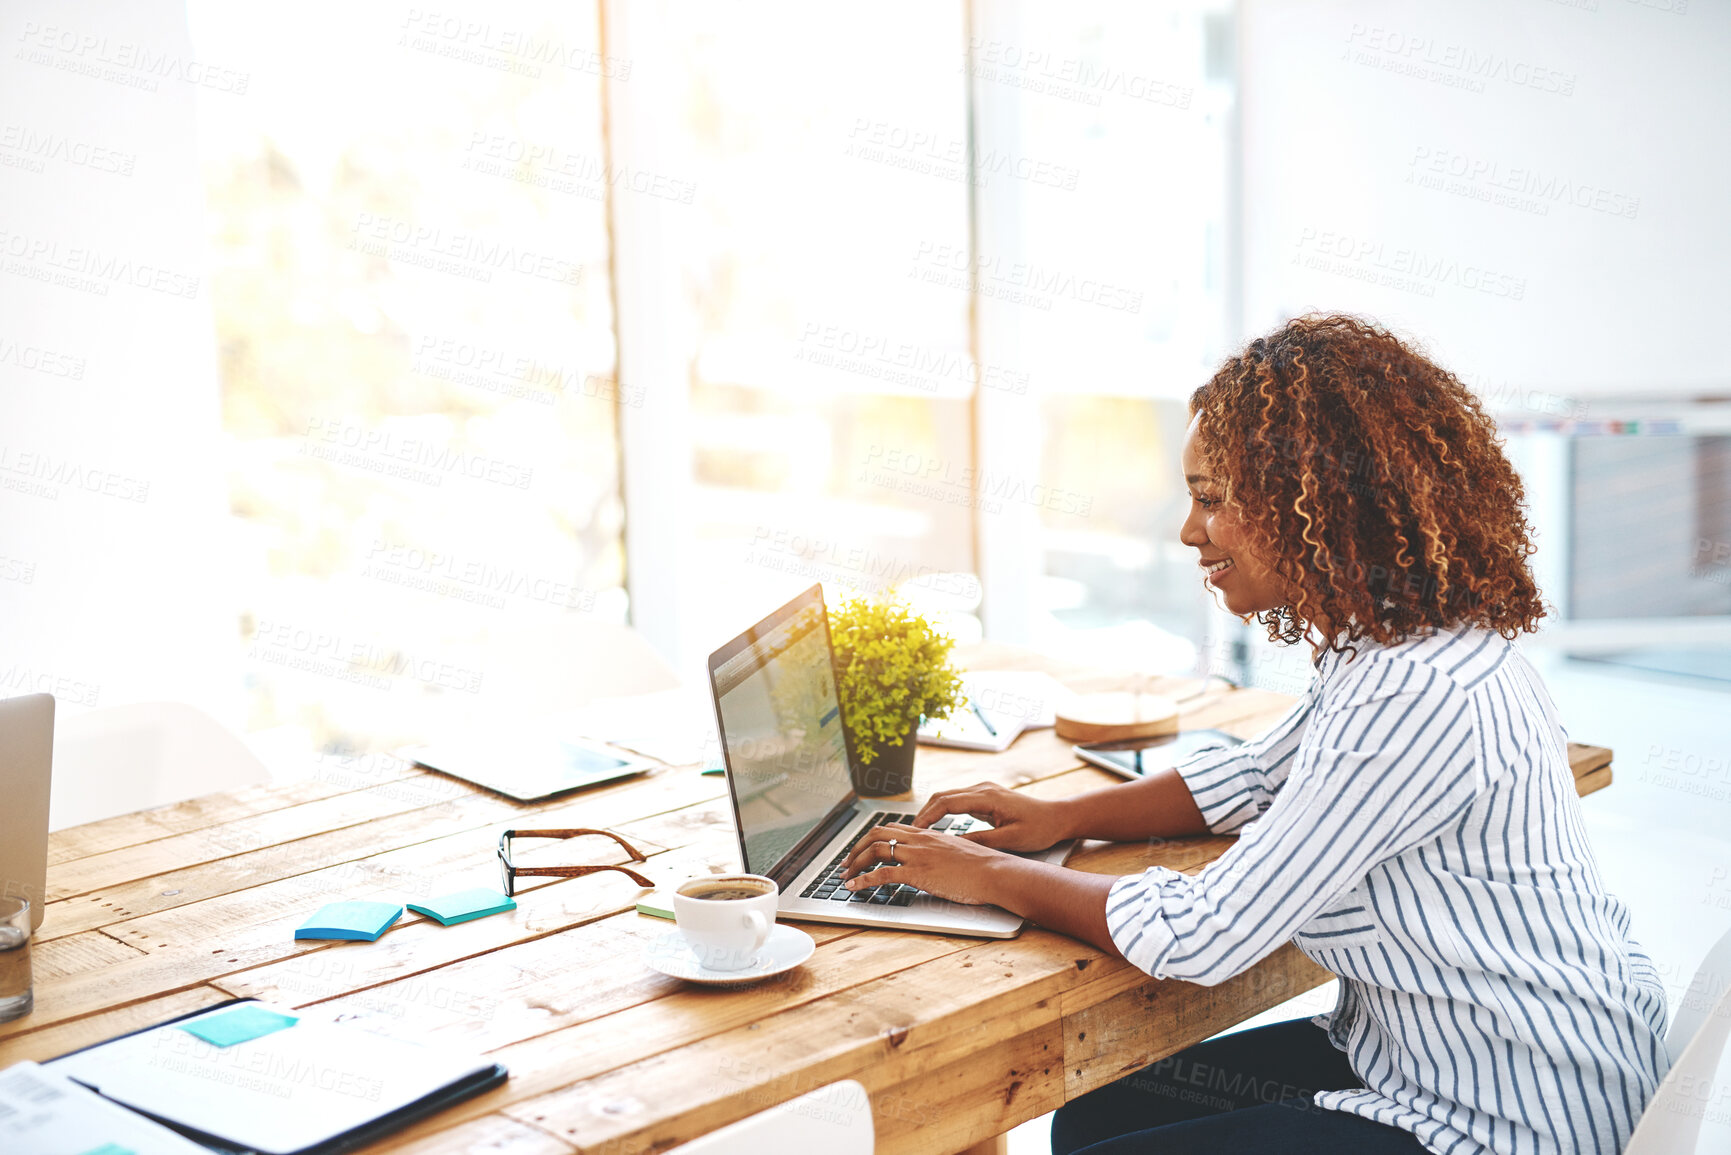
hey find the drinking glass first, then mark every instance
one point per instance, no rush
(15, 994)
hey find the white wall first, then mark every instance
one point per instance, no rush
(1578, 240)
(111, 496)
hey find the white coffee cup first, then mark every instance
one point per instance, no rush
(726, 918)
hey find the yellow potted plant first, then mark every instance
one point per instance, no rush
(891, 669)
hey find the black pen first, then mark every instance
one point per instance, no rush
(984, 721)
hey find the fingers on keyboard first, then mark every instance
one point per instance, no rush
(828, 884)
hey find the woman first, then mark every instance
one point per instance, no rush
(1412, 824)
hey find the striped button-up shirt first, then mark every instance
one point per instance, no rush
(1412, 825)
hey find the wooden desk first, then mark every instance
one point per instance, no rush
(158, 913)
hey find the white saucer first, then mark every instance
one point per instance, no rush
(786, 948)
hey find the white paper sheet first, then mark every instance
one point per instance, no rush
(42, 1112)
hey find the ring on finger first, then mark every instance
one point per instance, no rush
(892, 857)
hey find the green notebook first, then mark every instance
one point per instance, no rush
(658, 904)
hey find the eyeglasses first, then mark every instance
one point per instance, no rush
(508, 871)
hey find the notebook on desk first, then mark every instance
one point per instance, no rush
(1001, 705)
(247, 1076)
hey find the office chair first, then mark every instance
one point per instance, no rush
(118, 759)
(1671, 1124)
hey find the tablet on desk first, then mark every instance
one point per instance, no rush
(1159, 755)
(528, 768)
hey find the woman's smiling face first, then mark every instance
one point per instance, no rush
(1246, 584)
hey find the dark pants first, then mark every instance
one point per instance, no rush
(1248, 1094)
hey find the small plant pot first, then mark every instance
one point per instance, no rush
(891, 773)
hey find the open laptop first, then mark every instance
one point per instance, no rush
(26, 758)
(788, 758)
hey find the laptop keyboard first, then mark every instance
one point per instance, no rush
(828, 885)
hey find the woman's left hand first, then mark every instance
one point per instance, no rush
(943, 865)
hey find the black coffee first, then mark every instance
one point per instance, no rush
(726, 893)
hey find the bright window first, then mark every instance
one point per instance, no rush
(411, 288)
(846, 278)
(829, 377)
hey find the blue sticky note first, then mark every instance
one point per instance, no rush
(238, 1025)
(713, 770)
(110, 1149)
(363, 921)
(450, 909)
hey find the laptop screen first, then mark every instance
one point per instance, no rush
(781, 729)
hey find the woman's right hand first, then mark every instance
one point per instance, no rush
(1019, 822)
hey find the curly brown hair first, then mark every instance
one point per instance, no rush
(1371, 481)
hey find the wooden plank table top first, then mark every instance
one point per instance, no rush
(162, 912)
